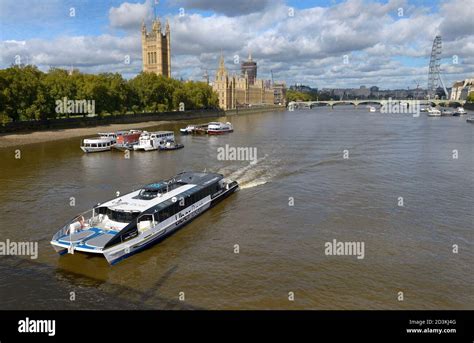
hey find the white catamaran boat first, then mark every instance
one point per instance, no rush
(104, 142)
(153, 140)
(128, 224)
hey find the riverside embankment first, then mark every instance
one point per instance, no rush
(28, 132)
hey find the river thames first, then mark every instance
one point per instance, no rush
(401, 185)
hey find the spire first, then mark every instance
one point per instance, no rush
(250, 55)
(221, 62)
(156, 25)
(221, 71)
(167, 26)
(143, 26)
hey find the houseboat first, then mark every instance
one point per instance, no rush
(127, 139)
(153, 140)
(104, 142)
(130, 223)
(216, 128)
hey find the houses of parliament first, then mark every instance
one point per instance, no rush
(156, 49)
(233, 91)
(245, 90)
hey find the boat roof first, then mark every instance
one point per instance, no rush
(98, 140)
(182, 182)
(132, 203)
(198, 178)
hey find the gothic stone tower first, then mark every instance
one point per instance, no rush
(156, 51)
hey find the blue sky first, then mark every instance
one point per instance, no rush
(306, 48)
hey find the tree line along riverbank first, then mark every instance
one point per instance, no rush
(28, 94)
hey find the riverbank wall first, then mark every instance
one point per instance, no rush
(469, 106)
(82, 122)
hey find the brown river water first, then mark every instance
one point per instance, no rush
(300, 162)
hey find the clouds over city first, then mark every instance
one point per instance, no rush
(384, 44)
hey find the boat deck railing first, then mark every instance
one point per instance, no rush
(89, 219)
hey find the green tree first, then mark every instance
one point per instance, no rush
(470, 97)
(292, 95)
(26, 93)
(154, 92)
(59, 85)
(22, 88)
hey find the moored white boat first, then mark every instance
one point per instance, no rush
(104, 142)
(447, 113)
(171, 145)
(187, 130)
(434, 112)
(217, 128)
(460, 111)
(128, 224)
(372, 109)
(153, 140)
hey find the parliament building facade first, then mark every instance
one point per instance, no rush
(240, 91)
(156, 51)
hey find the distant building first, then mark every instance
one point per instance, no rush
(362, 92)
(236, 91)
(249, 67)
(279, 92)
(156, 49)
(461, 89)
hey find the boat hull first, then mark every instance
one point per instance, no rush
(218, 132)
(93, 149)
(114, 255)
(124, 146)
(144, 240)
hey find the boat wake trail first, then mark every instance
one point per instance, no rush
(256, 173)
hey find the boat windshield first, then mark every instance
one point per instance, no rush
(118, 216)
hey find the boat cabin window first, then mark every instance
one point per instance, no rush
(117, 216)
(151, 193)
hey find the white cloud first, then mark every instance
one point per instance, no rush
(383, 48)
(130, 16)
(228, 8)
